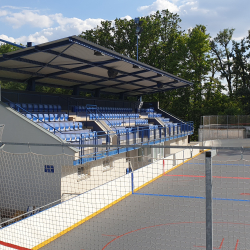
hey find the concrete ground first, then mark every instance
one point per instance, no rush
(169, 213)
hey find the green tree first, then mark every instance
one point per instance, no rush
(5, 48)
(157, 44)
(221, 47)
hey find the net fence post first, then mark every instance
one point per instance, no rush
(209, 214)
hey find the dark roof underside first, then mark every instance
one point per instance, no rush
(72, 62)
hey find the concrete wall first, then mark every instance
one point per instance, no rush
(183, 141)
(72, 184)
(20, 129)
(24, 182)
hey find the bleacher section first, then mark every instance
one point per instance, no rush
(128, 126)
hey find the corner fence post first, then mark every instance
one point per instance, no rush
(209, 213)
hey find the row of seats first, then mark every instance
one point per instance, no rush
(55, 122)
(47, 108)
(114, 123)
(118, 123)
(165, 120)
(62, 126)
(151, 127)
(123, 130)
(141, 122)
(101, 109)
(48, 117)
(111, 109)
(149, 110)
(111, 116)
(153, 115)
(76, 137)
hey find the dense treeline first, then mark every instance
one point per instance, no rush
(218, 67)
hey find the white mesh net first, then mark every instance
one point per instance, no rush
(142, 199)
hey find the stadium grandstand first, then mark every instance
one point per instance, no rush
(56, 148)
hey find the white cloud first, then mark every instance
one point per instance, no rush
(6, 38)
(215, 15)
(14, 7)
(66, 27)
(174, 6)
(158, 5)
(126, 17)
(28, 17)
(3, 13)
(52, 27)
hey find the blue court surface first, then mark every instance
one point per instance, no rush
(169, 213)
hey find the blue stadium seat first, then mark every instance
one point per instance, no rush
(51, 128)
(75, 109)
(66, 117)
(29, 116)
(51, 118)
(40, 117)
(66, 124)
(56, 116)
(40, 108)
(71, 126)
(46, 117)
(35, 108)
(30, 107)
(50, 108)
(24, 106)
(59, 108)
(61, 117)
(68, 137)
(62, 126)
(62, 136)
(45, 126)
(34, 118)
(80, 125)
(56, 126)
(78, 137)
(85, 136)
(45, 108)
(55, 109)
(76, 126)
(81, 108)
(12, 105)
(73, 137)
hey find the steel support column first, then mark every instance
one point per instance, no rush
(209, 213)
(31, 86)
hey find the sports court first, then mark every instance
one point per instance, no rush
(169, 213)
(82, 181)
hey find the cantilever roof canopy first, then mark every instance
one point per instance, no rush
(75, 62)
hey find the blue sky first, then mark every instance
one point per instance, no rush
(40, 21)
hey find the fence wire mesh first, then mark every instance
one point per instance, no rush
(224, 127)
(147, 198)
